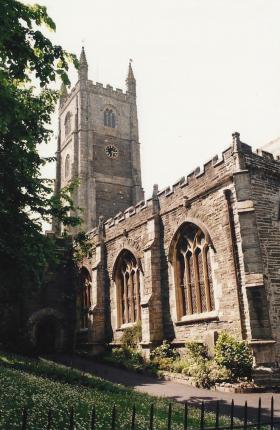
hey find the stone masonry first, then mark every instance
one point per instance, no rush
(107, 185)
(232, 205)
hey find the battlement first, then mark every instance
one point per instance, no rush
(198, 174)
(99, 88)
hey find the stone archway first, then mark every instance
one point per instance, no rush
(46, 331)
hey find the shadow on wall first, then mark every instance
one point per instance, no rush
(46, 331)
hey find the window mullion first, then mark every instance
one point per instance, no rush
(188, 285)
(206, 280)
(131, 292)
(125, 299)
(138, 308)
(196, 280)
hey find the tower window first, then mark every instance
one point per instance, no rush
(67, 166)
(67, 123)
(109, 118)
(193, 275)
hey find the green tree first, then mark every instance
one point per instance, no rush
(29, 66)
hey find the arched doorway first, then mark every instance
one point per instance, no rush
(47, 335)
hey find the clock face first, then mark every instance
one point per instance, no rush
(111, 151)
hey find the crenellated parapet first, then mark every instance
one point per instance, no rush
(109, 91)
(203, 178)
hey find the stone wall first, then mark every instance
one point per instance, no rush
(265, 185)
(233, 199)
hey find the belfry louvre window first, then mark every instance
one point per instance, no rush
(67, 123)
(109, 118)
(84, 298)
(193, 273)
(127, 280)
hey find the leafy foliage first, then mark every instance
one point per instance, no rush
(196, 351)
(164, 351)
(234, 355)
(29, 65)
(132, 336)
(82, 247)
(126, 357)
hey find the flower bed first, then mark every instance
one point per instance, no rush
(231, 362)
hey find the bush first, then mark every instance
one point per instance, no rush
(164, 351)
(234, 355)
(218, 373)
(164, 363)
(132, 336)
(127, 357)
(196, 351)
(179, 365)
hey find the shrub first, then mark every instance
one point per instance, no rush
(165, 363)
(234, 355)
(164, 351)
(196, 351)
(218, 373)
(127, 357)
(132, 336)
(180, 364)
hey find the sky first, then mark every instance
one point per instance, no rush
(204, 69)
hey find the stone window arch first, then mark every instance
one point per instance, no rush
(192, 271)
(67, 123)
(109, 118)
(84, 299)
(127, 280)
(67, 166)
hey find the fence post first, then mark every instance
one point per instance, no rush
(186, 416)
(169, 417)
(71, 419)
(217, 414)
(259, 413)
(151, 426)
(133, 418)
(24, 419)
(49, 422)
(93, 417)
(202, 415)
(113, 425)
(272, 414)
(245, 416)
(231, 414)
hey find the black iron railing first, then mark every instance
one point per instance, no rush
(261, 422)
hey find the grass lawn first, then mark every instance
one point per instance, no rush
(41, 385)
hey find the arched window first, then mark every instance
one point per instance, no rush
(109, 118)
(84, 297)
(67, 166)
(67, 123)
(127, 279)
(193, 275)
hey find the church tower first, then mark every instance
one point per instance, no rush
(98, 144)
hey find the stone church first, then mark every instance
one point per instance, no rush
(198, 257)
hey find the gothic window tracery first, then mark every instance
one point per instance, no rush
(67, 166)
(127, 280)
(109, 118)
(193, 273)
(67, 123)
(84, 298)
